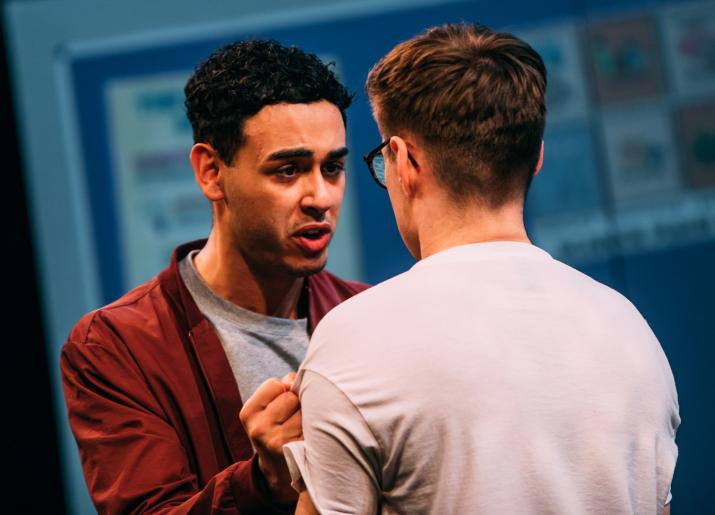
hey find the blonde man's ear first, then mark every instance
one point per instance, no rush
(541, 160)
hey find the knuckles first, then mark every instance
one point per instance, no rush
(258, 431)
(290, 401)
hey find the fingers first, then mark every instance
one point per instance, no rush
(271, 418)
(293, 428)
(263, 396)
(268, 410)
(282, 407)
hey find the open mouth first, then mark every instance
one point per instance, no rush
(313, 240)
(313, 234)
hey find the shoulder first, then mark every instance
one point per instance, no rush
(587, 289)
(358, 331)
(141, 331)
(136, 309)
(149, 310)
(601, 311)
(360, 313)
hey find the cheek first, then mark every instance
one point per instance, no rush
(266, 206)
(255, 220)
(338, 195)
(261, 235)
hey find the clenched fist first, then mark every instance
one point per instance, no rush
(271, 418)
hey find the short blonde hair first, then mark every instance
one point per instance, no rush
(475, 98)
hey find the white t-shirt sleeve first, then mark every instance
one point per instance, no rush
(339, 460)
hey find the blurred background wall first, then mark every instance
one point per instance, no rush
(99, 187)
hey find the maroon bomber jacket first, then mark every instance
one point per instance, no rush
(153, 403)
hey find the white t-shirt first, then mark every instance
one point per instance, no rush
(489, 378)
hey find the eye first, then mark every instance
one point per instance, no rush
(287, 171)
(334, 168)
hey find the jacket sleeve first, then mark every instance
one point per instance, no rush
(132, 457)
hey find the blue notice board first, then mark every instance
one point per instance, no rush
(652, 249)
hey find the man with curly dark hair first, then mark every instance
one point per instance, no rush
(155, 381)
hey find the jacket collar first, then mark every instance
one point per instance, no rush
(319, 288)
(171, 281)
(324, 291)
(209, 355)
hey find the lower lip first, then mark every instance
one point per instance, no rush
(313, 245)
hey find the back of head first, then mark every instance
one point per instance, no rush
(475, 99)
(239, 79)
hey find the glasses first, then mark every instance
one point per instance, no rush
(376, 163)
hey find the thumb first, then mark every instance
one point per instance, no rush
(288, 380)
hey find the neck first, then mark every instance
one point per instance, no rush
(468, 223)
(225, 270)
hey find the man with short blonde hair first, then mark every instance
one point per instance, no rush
(489, 378)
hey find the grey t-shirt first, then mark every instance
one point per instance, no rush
(257, 346)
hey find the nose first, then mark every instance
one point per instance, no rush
(317, 196)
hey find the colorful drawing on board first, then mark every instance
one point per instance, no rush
(689, 34)
(641, 156)
(559, 48)
(157, 198)
(624, 59)
(697, 124)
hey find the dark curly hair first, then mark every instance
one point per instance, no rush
(241, 78)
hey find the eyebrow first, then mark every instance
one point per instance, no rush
(337, 154)
(293, 153)
(289, 154)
